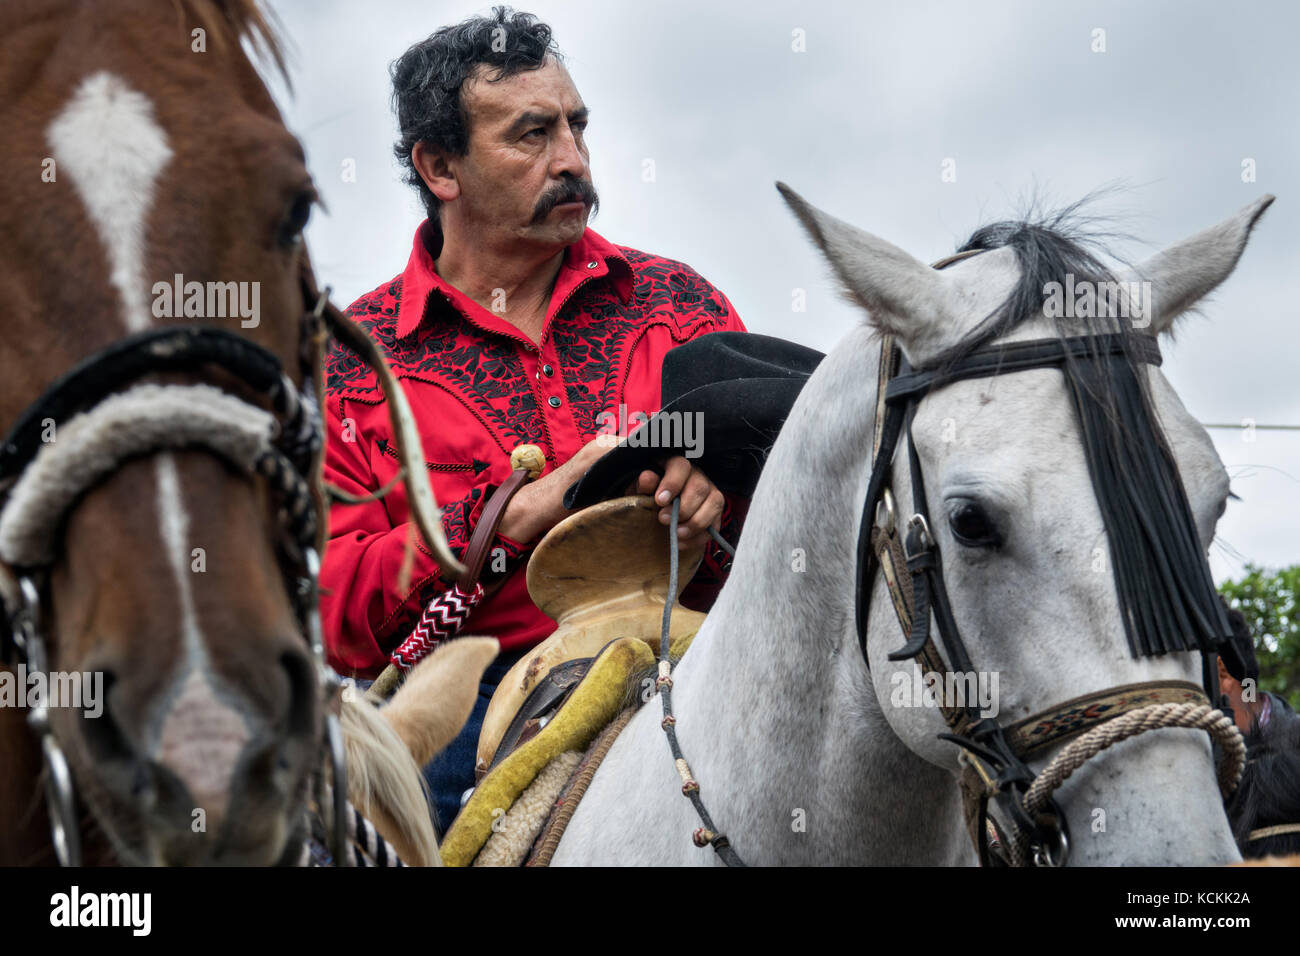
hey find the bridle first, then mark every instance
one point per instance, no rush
(994, 758)
(101, 404)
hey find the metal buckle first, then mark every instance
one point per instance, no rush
(311, 606)
(966, 758)
(24, 623)
(1042, 856)
(918, 529)
(885, 512)
(319, 310)
(1048, 835)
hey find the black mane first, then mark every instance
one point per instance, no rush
(1049, 246)
(1166, 595)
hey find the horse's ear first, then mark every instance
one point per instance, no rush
(1188, 270)
(439, 694)
(902, 295)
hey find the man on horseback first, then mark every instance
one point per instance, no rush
(513, 323)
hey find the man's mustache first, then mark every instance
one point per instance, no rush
(577, 190)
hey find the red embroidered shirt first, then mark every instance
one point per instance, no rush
(478, 388)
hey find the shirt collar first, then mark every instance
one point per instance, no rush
(592, 256)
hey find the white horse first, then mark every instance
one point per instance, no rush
(804, 755)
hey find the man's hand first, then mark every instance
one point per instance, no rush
(702, 503)
(539, 505)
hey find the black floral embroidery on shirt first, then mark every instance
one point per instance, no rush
(593, 340)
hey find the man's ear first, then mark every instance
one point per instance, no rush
(431, 163)
(1228, 684)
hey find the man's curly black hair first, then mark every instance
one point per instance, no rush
(427, 81)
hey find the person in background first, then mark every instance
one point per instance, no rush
(1265, 808)
(1252, 709)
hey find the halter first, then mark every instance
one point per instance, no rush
(994, 757)
(106, 417)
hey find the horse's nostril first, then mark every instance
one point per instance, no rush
(103, 733)
(141, 785)
(302, 693)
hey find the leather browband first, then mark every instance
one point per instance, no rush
(1019, 356)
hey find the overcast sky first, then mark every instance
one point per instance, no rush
(860, 122)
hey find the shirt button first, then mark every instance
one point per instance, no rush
(553, 402)
(591, 264)
(547, 370)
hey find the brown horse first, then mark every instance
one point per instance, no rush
(141, 155)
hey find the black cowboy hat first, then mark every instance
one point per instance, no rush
(741, 384)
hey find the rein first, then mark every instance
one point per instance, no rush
(707, 834)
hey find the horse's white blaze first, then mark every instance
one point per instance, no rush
(175, 526)
(107, 142)
(201, 736)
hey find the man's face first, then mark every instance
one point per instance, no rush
(526, 175)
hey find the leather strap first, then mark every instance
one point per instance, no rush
(550, 694)
(1074, 716)
(888, 550)
(480, 542)
(528, 462)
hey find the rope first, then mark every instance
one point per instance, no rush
(1266, 832)
(978, 787)
(1155, 717)
(708, 834)
(722, 542)
(577, 789)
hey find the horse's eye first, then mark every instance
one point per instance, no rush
(972, 526)
(295, 220)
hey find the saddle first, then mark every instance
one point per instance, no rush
(601, 574)
(511, 805)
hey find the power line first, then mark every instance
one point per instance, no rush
(1258, 428)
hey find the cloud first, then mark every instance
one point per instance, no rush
(860, 123)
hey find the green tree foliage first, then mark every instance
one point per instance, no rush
(1270, 602)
